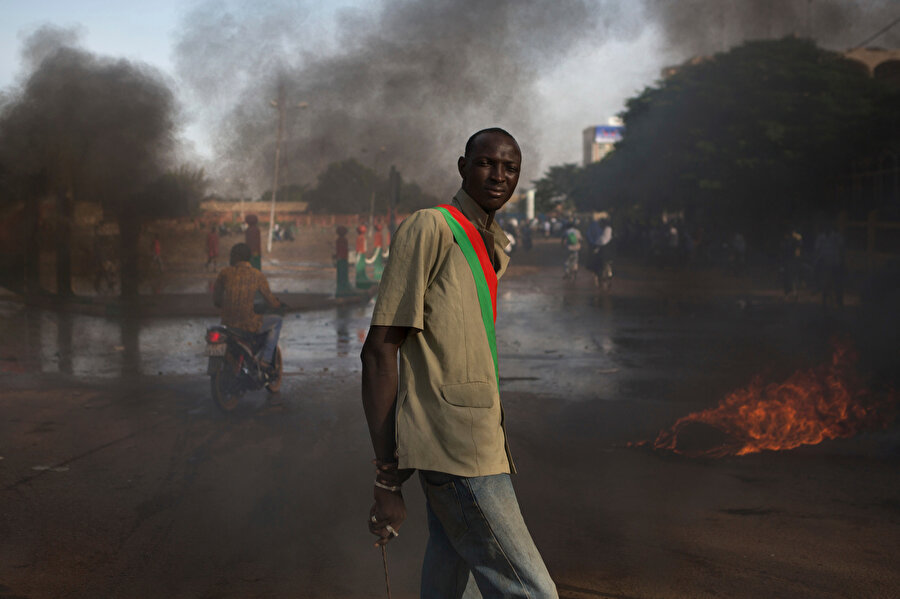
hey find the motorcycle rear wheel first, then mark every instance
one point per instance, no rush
(274, 384)
(225, 384)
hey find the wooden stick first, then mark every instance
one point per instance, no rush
(387, 580)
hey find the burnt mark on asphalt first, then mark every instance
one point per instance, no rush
(750, 511)
(892, 504)
(64, 463)
(7, 593)
(43, 427)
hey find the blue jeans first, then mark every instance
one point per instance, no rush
(478, 544)
(271, 326)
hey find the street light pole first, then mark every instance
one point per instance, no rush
(378, 153)
(279, 104)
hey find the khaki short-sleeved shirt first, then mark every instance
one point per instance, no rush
(449, 416)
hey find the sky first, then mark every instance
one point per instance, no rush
(571, 84)
(134, 30)
(570, 99)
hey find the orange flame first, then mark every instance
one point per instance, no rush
(826, 402)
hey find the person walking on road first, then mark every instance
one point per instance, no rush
(572, 240)
(156, 252)
(437, 408)
(212, 247)
(253, 239)
(599, 237)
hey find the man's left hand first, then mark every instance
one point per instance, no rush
(386, 515)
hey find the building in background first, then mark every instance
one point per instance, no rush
(882, 64)
(598, 140)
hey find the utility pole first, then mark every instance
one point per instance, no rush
(394, 180)
(279, 104)
(370, 232)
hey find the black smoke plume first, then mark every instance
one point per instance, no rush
(693, 27)
(87, 128)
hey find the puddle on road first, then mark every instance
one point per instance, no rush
(565, 345)
(43, 341)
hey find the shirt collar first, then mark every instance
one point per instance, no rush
(478, 216)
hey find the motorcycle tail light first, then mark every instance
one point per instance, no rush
(213, 336)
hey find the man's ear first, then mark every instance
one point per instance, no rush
(461, 167)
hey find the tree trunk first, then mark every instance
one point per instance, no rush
(32, 231)
(65, 213)
(129, 238)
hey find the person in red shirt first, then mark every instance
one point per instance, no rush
(253, 239)
(361, 240)
(156, 251)
(212, 247)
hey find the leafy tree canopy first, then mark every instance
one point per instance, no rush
(556, 187)
(177, 192)
(347, 187)
(753, 136)
(286, 193)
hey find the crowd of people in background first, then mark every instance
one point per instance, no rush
(806, 259)
(809, 258)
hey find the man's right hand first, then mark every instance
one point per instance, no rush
(389, 510)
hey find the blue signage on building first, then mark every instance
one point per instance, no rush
(608, 133)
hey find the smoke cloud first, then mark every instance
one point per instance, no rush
(405, 82)
(93, 127)
(694, 27)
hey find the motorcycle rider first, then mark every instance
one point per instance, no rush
(234, 291)
(572, 240)
(599, 236)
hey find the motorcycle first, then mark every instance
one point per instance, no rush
(235, 365)
(601, 266)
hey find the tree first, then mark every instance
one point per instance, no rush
(177, 192)
(286, 193)
(746, 139)
(556, 187)
(344, 188)
(411, 197)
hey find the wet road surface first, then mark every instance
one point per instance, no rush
(134, 486)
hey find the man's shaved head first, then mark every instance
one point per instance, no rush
(471, 142)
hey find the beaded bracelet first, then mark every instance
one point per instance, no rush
(390, 488)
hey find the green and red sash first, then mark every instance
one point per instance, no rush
(472, 246)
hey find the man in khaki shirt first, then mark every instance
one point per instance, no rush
(430, 389)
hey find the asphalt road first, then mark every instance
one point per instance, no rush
(135, 486)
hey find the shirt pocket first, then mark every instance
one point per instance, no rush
(469, 395)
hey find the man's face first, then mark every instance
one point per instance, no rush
(491, 171)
